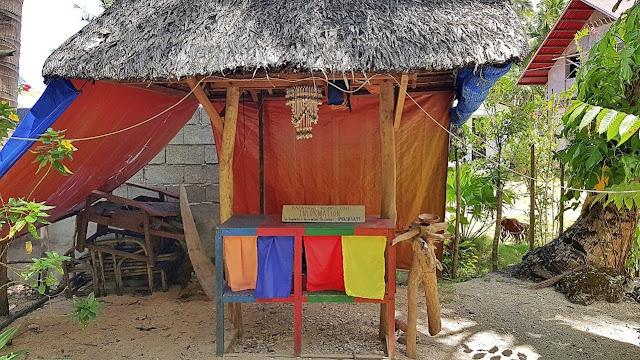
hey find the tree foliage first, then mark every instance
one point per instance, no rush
(602, 124)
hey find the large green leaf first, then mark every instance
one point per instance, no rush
(589, 116)
(629, 125)
(576, 113)
(615, 125)
(606, 121)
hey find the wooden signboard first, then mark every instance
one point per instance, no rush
(322, 213)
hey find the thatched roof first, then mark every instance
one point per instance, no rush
(169, 39)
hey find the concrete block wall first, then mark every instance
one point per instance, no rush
(190, 159)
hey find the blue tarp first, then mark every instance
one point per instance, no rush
(275, 266)
(56, 98)
(472, 88)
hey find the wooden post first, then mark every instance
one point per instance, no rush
(214, 117)
(412, 305)
(388, 174)
(226, 180)
(402, 93)
(532, 199)
(561, 212)
(456, 240)
(226, 154)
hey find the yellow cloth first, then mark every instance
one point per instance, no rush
(241, 261)
(363, 264)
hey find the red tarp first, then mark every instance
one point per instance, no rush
(103, 163)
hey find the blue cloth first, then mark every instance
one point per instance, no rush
(56, 98)
(275, 266)
(336, 94)
(472, 88)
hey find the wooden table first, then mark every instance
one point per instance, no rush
(269, 225)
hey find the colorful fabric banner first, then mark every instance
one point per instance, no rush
(241, 262)
(324, 263)
(364, 268)
(275, 266)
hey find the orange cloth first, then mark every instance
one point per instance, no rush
(241, 261)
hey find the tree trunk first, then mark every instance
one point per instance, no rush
(497, 233)
(10, 23)
(10, 20)
(600, 238)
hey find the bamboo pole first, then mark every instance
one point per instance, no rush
(226, 180)
(532, 199)
(456, 240)
(388, 174)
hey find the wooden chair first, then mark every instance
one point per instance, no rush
(127, 257)
(129, 235)
(73, 271)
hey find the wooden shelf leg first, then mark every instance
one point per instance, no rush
(219, 303)
(297, 292)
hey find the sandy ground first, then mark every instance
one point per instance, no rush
(486, 318)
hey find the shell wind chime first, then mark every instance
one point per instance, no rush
(423, 235)
(304, 102)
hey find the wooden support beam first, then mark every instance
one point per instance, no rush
(214, 117)
(387, 152)
(388, 172)
(414, 80)
(226, 179)
(402, 93)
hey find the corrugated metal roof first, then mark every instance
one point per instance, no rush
(572, 19)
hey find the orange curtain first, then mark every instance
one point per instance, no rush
(340, 165)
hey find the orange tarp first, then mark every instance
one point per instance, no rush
(340, 165)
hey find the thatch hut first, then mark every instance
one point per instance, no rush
(138, 71)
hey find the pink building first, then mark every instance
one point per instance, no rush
(556, 61)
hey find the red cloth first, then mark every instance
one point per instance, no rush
(324, 263)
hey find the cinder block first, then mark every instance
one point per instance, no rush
(121, 191)
(213, 193)
(179, 138)
(210, 154)
(198, 134)
(185, 154)
(163, 174)
(196, 118)
(204, 174)
(196, 193)
(159, 159)
(138, 177)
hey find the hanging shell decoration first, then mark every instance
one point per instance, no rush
(304, 102)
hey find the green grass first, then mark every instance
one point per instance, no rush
(508, 254)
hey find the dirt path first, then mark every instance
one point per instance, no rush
(488, 318)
